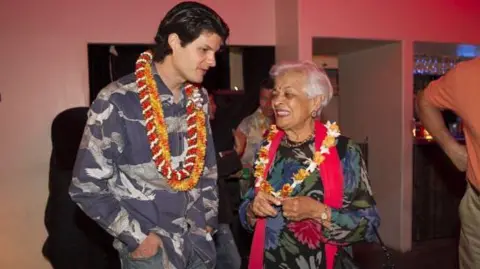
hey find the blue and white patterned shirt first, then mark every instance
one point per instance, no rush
(116, 183)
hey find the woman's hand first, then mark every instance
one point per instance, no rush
(262, 205)
(301, 207)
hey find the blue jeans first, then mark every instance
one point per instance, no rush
(227, 252)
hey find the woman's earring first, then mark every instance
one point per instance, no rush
(314, 114)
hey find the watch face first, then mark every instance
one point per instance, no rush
(324, 216)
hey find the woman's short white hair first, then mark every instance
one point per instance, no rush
(317, 81)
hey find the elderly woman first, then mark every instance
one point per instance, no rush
(312, 198)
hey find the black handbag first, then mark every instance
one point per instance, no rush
(349, 262)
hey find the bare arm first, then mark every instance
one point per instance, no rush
(442, 94)
(431, 117)
(240, 141)
(240, 135)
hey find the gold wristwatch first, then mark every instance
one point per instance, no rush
(324, 214)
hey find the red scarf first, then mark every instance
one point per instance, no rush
(332, 179)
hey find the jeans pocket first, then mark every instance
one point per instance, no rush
(156, 255)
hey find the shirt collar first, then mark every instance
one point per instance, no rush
(162, 88)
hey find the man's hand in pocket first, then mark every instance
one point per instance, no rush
(148, 248)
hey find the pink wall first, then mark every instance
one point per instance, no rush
(429, 20)
(411, 20)
(44, 71)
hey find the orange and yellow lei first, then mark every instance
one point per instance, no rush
(319, 156)
(187, 177)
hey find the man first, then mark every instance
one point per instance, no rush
(228, 163)
(249, 133)
(459, 90)
(146, 168)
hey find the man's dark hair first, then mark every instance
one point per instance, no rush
(188, 20)
(267, 84)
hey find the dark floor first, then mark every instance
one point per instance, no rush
(435, 254)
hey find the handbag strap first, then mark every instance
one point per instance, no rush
(388, 264)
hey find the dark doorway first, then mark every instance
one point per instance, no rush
(109, 62)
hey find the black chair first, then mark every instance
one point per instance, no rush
(74, 240)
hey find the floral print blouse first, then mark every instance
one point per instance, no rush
(300, 244)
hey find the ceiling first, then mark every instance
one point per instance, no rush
(444, 49)
(337, 46)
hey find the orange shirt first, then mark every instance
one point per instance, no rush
(459, 90)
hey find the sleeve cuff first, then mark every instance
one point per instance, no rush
(132, 243)
(242, 212)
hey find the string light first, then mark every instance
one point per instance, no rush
(435, 65)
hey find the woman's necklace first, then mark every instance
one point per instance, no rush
(263, 159)
(290, 144)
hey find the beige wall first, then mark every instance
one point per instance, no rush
(286, 30)
(326, 61)
(236, 68)
(371, 107)
(332, 111)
